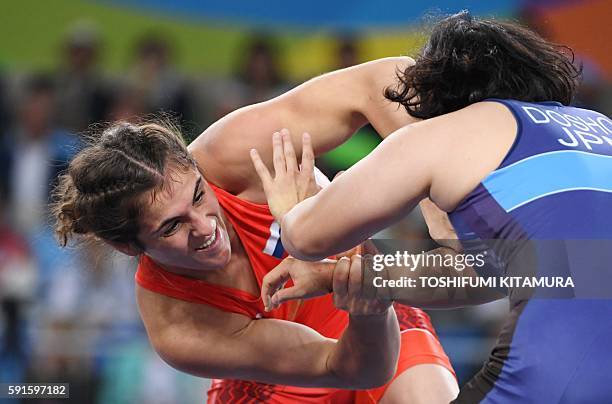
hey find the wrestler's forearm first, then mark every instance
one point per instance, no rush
(366, 354)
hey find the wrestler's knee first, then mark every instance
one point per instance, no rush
(422, 384)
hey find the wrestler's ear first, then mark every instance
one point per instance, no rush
(126, 248)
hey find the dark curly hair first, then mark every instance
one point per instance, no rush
(467, 60)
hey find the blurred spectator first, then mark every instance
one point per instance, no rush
(82, 95)
(259, 70)
(125, 103)
(85, 315)
(347, 53)
(32, 154)
(17, 289)
(256, 78)
(4, 113)
(155, 79)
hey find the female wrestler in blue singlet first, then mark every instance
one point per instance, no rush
(504, 155)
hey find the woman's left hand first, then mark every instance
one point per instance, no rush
(310, 279)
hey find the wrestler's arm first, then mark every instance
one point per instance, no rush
(308, 283)
(206, 342)
(330, 107)
(443, 158)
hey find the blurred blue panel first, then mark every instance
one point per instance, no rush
(334, 14)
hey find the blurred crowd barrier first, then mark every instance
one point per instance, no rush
(69, 315)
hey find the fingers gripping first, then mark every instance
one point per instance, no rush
(272, 282)
(340, 281)
(354, 280)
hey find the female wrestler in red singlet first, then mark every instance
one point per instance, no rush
(197, 219)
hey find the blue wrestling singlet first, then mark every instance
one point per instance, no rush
(554, 189)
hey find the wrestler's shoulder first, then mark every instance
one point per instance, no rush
(223, 156)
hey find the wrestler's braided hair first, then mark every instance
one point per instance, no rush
(467, 60)
(100, 194)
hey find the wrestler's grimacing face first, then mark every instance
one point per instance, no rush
(181, 225)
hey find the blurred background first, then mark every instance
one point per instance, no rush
(69, 315)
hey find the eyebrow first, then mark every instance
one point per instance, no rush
(170, 220)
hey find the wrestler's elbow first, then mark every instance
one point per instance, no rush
(373, 380)
(176, 355)
(299, 240)
(171, 354)
(365, 379)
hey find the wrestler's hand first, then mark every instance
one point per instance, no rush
(440, 228)
(310, 279)
(291, 183)
(315, 279)
(348, 288)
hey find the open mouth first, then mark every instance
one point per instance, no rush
(211, 239)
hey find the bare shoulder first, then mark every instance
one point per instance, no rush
(476, 129)
(484, 113)
(222, 150)
(228, 126)
(474, 116)
(469, 144)
(459, 128)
